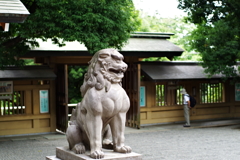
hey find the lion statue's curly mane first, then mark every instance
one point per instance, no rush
(98, 75)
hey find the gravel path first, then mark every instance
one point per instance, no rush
(163, 142)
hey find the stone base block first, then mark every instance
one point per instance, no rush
(63, 153)
(52, 158)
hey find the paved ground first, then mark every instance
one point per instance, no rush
(212, 140)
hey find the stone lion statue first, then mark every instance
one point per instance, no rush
(99, 120)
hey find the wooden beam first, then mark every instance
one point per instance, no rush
(39, 60)
(70, 60)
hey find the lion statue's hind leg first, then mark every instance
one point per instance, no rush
(74, 139)
(75, 134)
(79, 148)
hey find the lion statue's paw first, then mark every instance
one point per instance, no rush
(107, 144)
(123, 149)
(97, 154)
(79, 148)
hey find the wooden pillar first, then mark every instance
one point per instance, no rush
(62, 97)
(131, 83)
(53, 105)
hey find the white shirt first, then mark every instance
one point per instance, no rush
(186, 98)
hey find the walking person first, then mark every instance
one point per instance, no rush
(186, 107)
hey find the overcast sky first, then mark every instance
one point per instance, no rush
(165, 8)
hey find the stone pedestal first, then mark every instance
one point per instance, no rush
(63, 153)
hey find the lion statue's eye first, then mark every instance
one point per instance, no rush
(117, 58)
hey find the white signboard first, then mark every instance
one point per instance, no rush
(44, 104)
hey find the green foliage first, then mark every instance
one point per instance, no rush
(75, 80)
(211, 93)
(156, 59)
(29, 62)
(97, 24)
(175, 25)
(219, 47)
(160, 95)
(211, 10)
(217, 34)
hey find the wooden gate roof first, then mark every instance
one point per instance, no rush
(139, 45)
(28, 72)
(158, 71)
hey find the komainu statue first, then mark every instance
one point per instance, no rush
(99, 120)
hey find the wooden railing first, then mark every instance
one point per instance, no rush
(12, 104)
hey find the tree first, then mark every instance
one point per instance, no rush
(96, 23)
(75, 78)
(175, 25)
(217, 34)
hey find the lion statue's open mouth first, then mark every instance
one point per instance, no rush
(118, 73)
(101, 115)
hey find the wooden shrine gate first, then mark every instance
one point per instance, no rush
(131, 83)
(62, 97)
